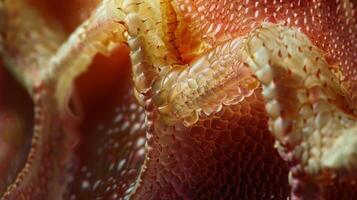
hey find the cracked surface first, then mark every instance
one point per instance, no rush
(225, 99)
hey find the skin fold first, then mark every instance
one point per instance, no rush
(178, 99)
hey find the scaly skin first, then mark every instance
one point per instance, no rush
(227, 99)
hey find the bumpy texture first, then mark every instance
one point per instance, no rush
(178, 99)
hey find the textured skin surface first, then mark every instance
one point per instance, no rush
(15, 127)
(112, 147)
(231, 147)
(228, 99)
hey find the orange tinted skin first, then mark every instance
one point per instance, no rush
(68, 13)
(171, 179)
(16, 122)
(228, 155)
(329, 24)
(109, 133)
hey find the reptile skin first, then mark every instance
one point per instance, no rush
(178, 99)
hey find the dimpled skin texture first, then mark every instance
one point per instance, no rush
(113, 141)
(207, 24)
(204, 24)
(212, 22)
(94, 147)
(228, 155)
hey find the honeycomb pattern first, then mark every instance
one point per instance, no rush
(295, 92)
(228, 155)
(212, 22)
